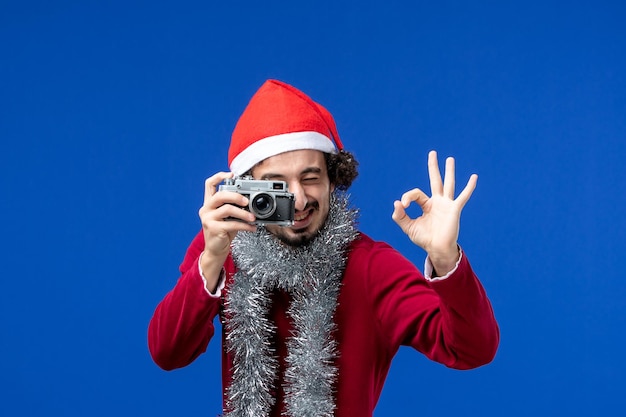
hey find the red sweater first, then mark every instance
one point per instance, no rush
(385, 302)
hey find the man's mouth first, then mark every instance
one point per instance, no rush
(301, 215)
(302, 219)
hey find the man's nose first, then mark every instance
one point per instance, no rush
(298, 191)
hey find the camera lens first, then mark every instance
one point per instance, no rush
(262, 206)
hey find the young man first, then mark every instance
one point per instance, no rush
(312, 314)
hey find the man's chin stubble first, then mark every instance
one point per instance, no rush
(299, 239)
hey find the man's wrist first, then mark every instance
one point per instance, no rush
(212, 275)
(444, 264)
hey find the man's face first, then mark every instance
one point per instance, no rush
(305, 173)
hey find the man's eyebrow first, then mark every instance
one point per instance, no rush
(276, 176)
(311, 170)
(271, 176)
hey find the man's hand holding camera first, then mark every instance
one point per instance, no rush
(219, 233)
(437, 229)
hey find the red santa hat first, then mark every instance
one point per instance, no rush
(280, 118)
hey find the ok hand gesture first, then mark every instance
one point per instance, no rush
(437, 229)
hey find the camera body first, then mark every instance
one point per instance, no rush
(269, 201)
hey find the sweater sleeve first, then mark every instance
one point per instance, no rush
(451, 321)
(182, 324)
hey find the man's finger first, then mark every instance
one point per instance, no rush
(449, 181)
(416, 195)
(399, 215)
(465, 195)
(211, 183)
(434, 174)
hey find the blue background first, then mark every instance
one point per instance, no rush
(114, 112)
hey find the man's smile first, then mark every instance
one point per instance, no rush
(303, 218)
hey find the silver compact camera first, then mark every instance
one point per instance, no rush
(269, 201)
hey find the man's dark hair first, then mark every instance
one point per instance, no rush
(342, 169)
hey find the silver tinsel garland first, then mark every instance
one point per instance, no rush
(312, 276)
